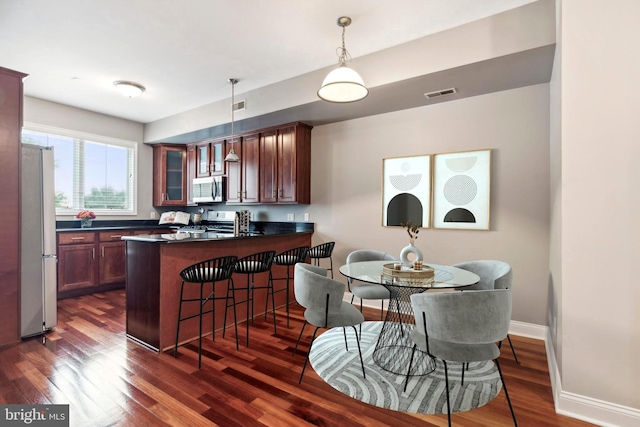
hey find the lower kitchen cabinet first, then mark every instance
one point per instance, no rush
(91, 262)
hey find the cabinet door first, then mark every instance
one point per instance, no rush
(112, 262)
(268, 167)
(203, 159)
(216, 165)
(170, 165)
(234, 174)
(76, 266)
(287, 167)
(250, 162)
(191, 172)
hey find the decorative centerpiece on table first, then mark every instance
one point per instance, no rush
(86, 218)
(413, 231)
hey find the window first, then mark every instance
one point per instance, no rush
(91, 172)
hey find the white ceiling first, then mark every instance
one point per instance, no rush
(184, 51)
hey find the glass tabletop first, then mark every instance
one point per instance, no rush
(445, 276)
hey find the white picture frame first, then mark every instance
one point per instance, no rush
(462, 190)
(406, 191)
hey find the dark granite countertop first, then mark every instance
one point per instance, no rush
(257, 229)
(209, 236)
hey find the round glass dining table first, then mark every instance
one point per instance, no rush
(394, 349)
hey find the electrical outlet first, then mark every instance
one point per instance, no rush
(306, 216)
(152, 215)
(291, 217)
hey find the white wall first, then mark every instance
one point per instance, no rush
(346, 184)
(600, 231)
(40, 112)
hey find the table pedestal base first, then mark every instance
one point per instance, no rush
(394, 346)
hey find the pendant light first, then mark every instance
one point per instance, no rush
(343, 84)
(232, 156)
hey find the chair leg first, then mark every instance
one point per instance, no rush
(446, 383)
(299, 336)
(200, 329)
(273, 300)
(406, 381)
(513, 415)
(175, 349)
(463, 369)
(344, 331)
(355, 331)
(381, 309)
(249, 305)
(513, 350)
(230, 295)
(308, 352)
(331, 266)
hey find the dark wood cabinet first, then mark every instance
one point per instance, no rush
(11, 97)
(76, 261)
(169, 175)
(285, 165)
(92, 261)
(243, 177)
(191, 171)
(112, 257)
(210, 158)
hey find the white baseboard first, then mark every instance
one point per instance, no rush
(586, 408)
(566, 403)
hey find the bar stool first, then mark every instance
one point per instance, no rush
(322, 251)
(288, 258)
(205, 272)
(251, 265)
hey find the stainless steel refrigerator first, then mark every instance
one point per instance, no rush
(38, 290)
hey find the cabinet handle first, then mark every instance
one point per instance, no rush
(279, 192)
(93, 253)
(117, 236)
(102, 252)
(239, 194)
(212, 167)
(245, 194)
(77, 238)
(273, 193)
(163, 197)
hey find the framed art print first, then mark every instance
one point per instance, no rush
(461, 190)
(406, 191)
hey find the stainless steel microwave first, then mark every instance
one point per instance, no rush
(209, 189)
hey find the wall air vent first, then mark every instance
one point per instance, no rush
(240, 105)
(440, 93)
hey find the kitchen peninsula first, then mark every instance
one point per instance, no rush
(153, 265)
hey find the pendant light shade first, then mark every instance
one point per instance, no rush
(343, 84)
(232, 156)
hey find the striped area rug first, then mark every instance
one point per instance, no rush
(425, 394)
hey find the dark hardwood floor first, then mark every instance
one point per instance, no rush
(108, 380)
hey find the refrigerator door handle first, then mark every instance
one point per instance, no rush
(50, 256)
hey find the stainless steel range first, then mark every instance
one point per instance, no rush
(217, 222)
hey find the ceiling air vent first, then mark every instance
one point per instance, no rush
(440, 93)
(240, 105)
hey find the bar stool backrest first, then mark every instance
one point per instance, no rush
(323, 250)
(211, 270)
(291, 256)
(255, 263)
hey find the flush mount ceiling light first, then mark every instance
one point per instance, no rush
(129, 89)
(232, 156)
(343, 84)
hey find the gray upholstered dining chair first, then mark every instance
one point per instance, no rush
(461, 327)
(493, 275)
(322, 299)
(369, 290)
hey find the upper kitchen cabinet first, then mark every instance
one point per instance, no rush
(285, 164)
(169, 175)
(210, 158)
(242, 177)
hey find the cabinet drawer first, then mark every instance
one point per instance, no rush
(111, 236)
(75, 238)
